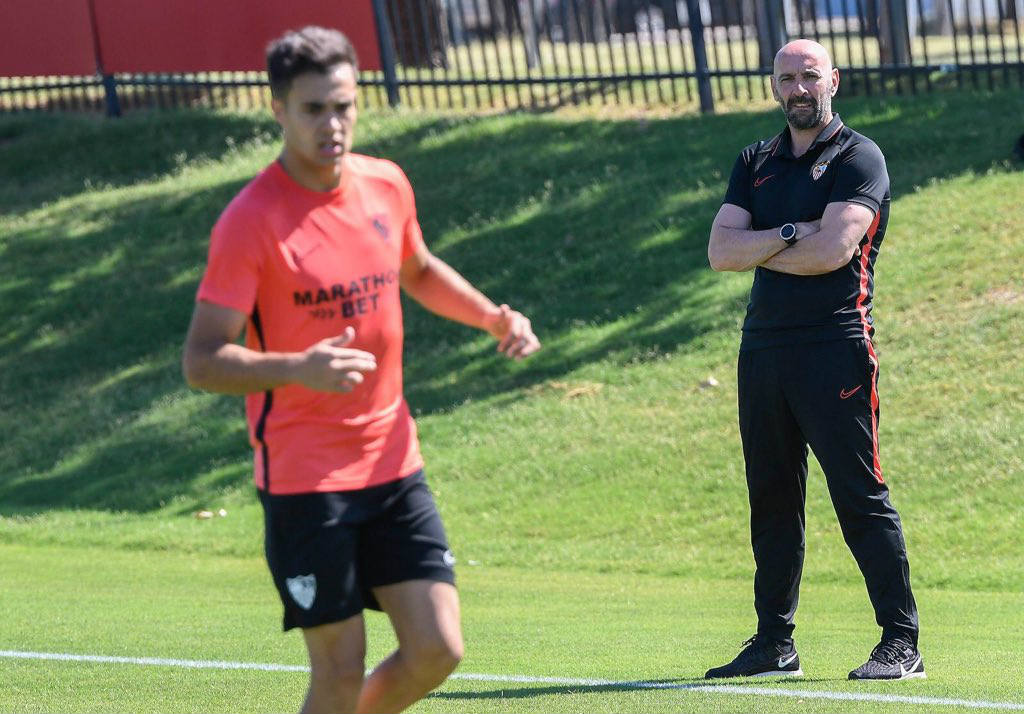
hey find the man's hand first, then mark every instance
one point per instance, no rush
(330, 366)
(514, 334)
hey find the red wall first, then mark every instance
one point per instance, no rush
(197, 35)
(44, 37)
(39, 37)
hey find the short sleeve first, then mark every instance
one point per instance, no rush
(861, 176)
(233, 264)
(412, 235)
(738, 192)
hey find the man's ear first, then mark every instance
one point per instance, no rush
(775, 91)
(278, 108)
(835, 81)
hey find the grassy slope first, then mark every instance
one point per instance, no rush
(595, 228)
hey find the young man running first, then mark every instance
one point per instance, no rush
(308, 260)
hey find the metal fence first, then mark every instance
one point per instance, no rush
(539, 54)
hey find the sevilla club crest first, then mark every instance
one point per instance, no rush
(302, 589)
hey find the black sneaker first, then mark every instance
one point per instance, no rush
(761, 657)
(891, 659)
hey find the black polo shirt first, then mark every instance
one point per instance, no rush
(776, 188)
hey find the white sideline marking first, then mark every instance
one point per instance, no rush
(159, 661)
(568, 681)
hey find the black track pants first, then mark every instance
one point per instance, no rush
(823, 395)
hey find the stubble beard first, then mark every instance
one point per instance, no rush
(799, 118)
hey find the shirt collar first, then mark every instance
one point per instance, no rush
(827, 134)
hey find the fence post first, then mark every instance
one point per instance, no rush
(893, 38)
(771, 31)
(387, 51)
(530, 41)
(113, 103)
(110, 93)
(700, 56)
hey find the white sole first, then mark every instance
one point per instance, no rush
(913, 675)
(780, 673)
(909, 675)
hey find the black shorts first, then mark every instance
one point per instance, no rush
(326, 551)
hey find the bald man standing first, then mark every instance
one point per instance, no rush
(807, 210)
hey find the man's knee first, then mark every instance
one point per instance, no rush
(431, 661)
(339, 675)
(339, 670)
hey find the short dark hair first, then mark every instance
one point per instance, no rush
(311, 49)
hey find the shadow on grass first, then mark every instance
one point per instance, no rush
(677, 684)
(597, 230)
(45, 157)
(562, 689)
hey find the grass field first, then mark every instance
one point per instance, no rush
(662, 630)
(593, 494)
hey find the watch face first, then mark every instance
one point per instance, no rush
(788, 231)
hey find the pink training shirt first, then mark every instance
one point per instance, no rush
(304, 265)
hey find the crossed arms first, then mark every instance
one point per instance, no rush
(823, 246)
(212, 361)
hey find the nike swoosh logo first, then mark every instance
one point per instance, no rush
(758, 182)
(905, 672)
(783, 661)
(847, 393)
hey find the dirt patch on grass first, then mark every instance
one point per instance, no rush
(1005, 296)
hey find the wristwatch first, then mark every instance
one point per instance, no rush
(788, 233)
